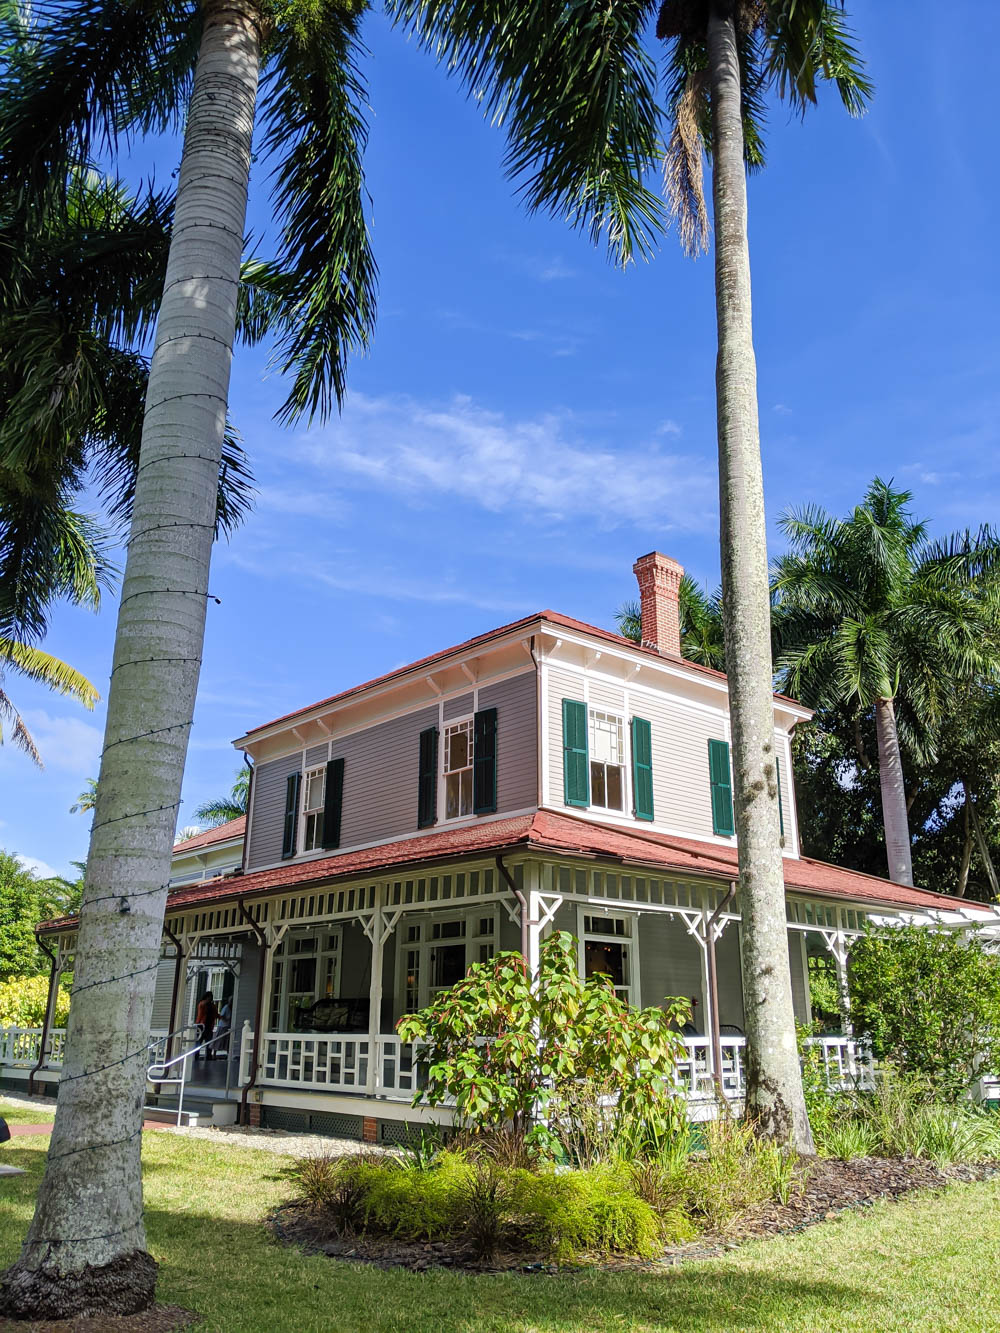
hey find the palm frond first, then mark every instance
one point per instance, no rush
(808, 40)
(72, 82)
(575, 91)
(48, 670)
(312, 112)
(19, 733)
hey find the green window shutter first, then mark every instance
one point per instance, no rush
(642, 768)
(781, 809)
(484, 771)
(289, 839)
(721, 779)
(333, 803)
(427, 781)
(576, 767)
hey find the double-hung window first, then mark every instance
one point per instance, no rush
(607, 761)
(458, 769)
(314, 799)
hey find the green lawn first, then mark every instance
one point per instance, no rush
(36, 1114)
(931, 1262)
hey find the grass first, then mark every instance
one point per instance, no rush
(36, 1114)
(926, 1263)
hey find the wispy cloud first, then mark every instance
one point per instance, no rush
(781, 410)
(540, 467)
(543, 268)
(65, 743)
(378, 584)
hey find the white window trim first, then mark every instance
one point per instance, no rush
(425, 944)
(627, 811)
(287, 958)
(302, 849)
(442, 802)
(631, 939)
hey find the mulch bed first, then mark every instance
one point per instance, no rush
(157, 1319)
(826, 1188)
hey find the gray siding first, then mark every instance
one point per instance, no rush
(462, 706)
(317, 755)
(517, 740)
(264, 847)
(380, 771)
(670, 963)
(380, 778)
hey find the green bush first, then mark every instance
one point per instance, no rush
(904, 1117)
(511, 1050)
(417, 1204)
(336, 1188)
(23, 1001)
(598, 1209)
(930, 1001)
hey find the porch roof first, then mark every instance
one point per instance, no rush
(231, 831)
(560, 834)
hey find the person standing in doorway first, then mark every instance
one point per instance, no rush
(225, 1023)
(205, 1017)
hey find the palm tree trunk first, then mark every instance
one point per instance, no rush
(963, 870)
(982, 845)
(86, 1247)
(890, 776)
(774, 1080)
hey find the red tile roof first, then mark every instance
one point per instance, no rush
(547, 831)
(232, 829)
(481, 640)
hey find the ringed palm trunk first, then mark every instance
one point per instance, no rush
(895, 819)
(774, 1081)
(86, 1247)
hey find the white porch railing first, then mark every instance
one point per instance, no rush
(345, 1062)
(20, 1048)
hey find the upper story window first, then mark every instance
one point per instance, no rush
(313, 801)
(458, 747)
(607, 761)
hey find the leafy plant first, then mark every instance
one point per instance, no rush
(511, 1051)
(338, 1187)
(23, 1001)
(930, 1000)
(416, 1204)
(738, 1171)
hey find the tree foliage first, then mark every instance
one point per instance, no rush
(25, 900)
(929, 1000)
(508, 1049)
(222, 809)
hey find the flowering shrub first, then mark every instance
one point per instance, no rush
(515, 1052)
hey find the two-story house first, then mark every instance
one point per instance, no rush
(546, 775)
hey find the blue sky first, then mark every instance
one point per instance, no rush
(530, 420)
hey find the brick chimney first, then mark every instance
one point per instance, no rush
(659, 581)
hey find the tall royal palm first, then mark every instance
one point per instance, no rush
(566, 70)
(96, 70)
(91, 72)
(726, 57)
(869, 612)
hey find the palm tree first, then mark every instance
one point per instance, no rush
(87, 799)
(78, 291)
(33, 664)
(91, 72)
(701, 624)
(869, 612)
(224, 808)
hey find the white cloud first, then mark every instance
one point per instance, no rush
(538, 467)
(782, 409)
(65, 743)
(669, 427)
(41, 868)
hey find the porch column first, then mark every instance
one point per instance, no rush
(375, 992)
(836, 942)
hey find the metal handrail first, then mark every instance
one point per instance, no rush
(152, 1076)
